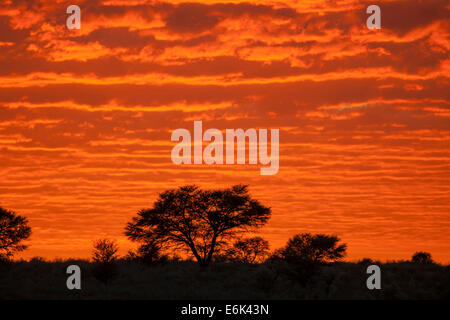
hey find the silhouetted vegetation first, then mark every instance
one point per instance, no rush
(207, 225)
(197, 221)
(39, 279)
(105, 251)
(317, 249)
(305, 253)
(149, 253)
(422, 257)
(13, 230)
(249, 250)
(104, 257)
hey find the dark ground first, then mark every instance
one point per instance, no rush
(38, 279)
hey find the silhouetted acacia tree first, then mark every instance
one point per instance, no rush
(319, 248)
(249, 250)
(13, 230)
(198, 220)
(105, 251)
(305, 253)
(422, 257)
(105, 256)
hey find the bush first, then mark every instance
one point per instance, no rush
(105, 251)
(249, 250)
(150, 254)
(422, 258)
(305, 253)
(105, 256)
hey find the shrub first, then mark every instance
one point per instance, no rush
(249, 250)
(305, 253)
(422, 257)
(105, 256)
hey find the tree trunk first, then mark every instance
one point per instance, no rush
(196, 255)
(211, 251)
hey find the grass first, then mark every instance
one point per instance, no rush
(39, 279)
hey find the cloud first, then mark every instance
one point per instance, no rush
(86, 116)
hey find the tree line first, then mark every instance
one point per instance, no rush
(207, 225)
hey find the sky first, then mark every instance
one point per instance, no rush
(363, 115)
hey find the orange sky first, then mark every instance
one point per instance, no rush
(364, 116)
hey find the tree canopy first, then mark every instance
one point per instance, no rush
(248, 250)
(105, 251)
(196, 220)
(422, 257)
(13, 230)
(308, 248)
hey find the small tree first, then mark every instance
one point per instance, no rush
(105, 251)
(197, 221)
(305, 253)
(422, 257)
(148, 253)
(316, 249)
(249, 250)
(13, 230)
(105, 256)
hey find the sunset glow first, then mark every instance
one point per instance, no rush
(86, 116)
